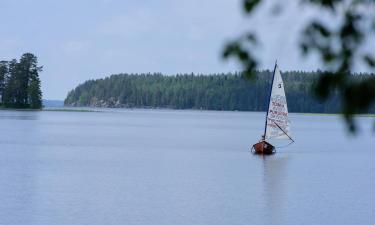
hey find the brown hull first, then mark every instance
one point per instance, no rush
(263, 148)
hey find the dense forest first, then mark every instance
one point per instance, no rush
(20, 85)
(210, 92)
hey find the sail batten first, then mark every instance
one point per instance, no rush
(277, 122)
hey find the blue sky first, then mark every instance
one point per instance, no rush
(76, 40)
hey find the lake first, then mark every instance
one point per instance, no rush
(181, 168)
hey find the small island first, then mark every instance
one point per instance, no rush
(20, 85)
(229, 92)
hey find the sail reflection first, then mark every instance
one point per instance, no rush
(274, 181)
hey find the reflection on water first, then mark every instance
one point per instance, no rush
(18, 115)
(274, 176)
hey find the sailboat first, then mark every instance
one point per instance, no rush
(277, 125)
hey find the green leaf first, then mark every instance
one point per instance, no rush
(370, 61)
(249, 5)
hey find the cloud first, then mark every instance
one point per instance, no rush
(74, 47)
(131, 24)
(9, 45)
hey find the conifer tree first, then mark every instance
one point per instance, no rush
(3, 79)
(20, 85)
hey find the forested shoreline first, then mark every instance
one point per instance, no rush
(20, 85)
(209, 92)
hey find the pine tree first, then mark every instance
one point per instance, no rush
(11, 86)
(3, 79)
(20, 86)
(35, 93)
(30, 90)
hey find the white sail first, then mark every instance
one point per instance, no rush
(277, 122)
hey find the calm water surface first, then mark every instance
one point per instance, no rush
(181, 168)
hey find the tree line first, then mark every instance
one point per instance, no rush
(210, 92)
(20, 85)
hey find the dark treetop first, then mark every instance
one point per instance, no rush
(210, 92)
(20, 83)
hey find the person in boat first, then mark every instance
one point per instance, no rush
(265, 142)
(263, 138)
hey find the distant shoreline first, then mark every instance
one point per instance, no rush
(334, 114)
(104, 109)
(19, 109)
(191, 91)
(61, 109)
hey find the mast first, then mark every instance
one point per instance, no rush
(269, 100)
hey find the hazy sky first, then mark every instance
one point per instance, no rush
(76, 40)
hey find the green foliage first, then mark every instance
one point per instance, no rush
(20, 84)
(210, 92)
(3, 78)
(249, 5)
(339, 46)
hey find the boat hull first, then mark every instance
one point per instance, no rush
(263, 148)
